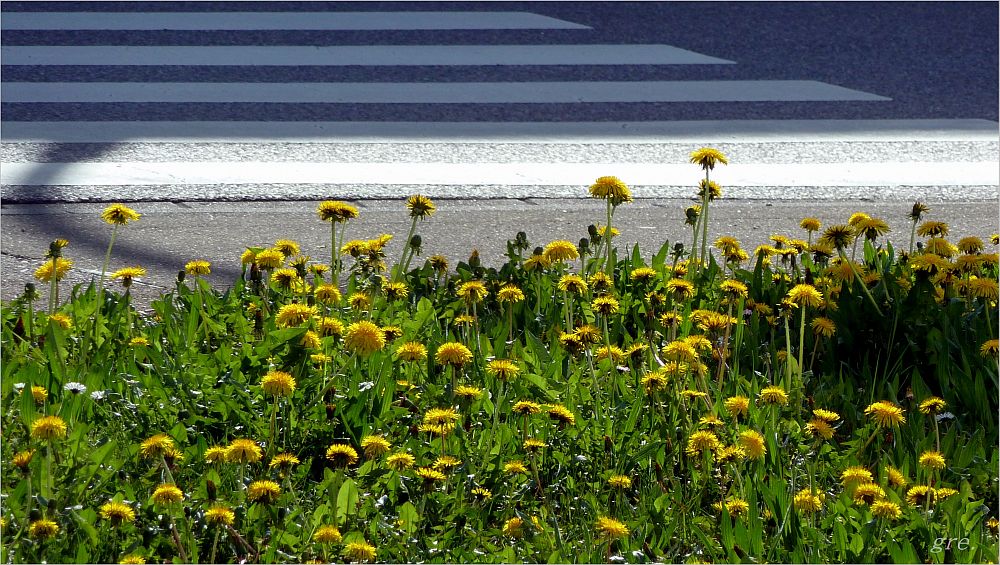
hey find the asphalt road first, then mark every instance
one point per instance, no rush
(170, 234)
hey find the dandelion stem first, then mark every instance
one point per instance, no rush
(53, 287)
(609, 268)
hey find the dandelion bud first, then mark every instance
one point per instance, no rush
(331, 411)
(592, 232)
(29, 291)
(538, 251)
(584, 246)
(474, 261)
(35, 515)
(180, 275)
(608, 444)
(211, 489)
(678, 249)
(415, 242)
(521, 241)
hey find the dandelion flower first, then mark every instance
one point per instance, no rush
(375, 445)
(278, 383)
(127, 274)
(43, 529)
(509, 293)
(702, 441)
(39, 394)
(215, 454)
(773, 395)
(990, 348)
(681, 289)
(932, 405)
(515, 468)
(823, 327)
(918, 495)
(446, 463)
(513, 528)
(61, 320)
(220, 515)
(364, 338)
(167, 494)
(708, 157)
(970, 245)
(810, 224)
(526, 407)
(119, 215)
(620, 482)
(737, 406)
(932, 460)
(264, 492)
(472, 291)
(198, 267)
(441, 416)
(932, 228)
(868, 493)
(612, 189)
(420, 206)
(243, 451)
(269, 259)
(468, 392)
(48, 428)
(609, 528)
(411, 352)
(283, 461)
(22, 459)
(360, 551)
(837, 236)
(806, 501)
(453, 353)
(532, 445)
(560, 250)
(327, 294)
(886, 509)
(342, 455)
(482, 494)
(561, 414)
(292, 315)
(895, 476)
(156, 446)
(753, 442)
(44, 272)
(117, 513)
(709, 187)
(855, 474)
(430, 475)
(336, 211)
(819, 427)
(805, 295)
(327, 535)
(984, 288)
(886, 414)
(400, 461)
(133, 559)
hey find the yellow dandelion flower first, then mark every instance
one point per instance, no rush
(515, 468)
(48, 428)
(886, 509)
(44, 272)
(503, 369)
(619, 482)
(39, 394)
(400, 461)
(472, 291)
(932, 405)
(133, 559)
(468, 392)
(430, 475)
(278, 383)
(364, 338)
(532, 445)
(526, 407)
(868, 493)
(984, 288)
(198, 267)
(264, 492)
(156, 446)
(420, 206)
(336, 211)
(509, 293)
(167, 494)
(737, 406)
(708, 157)
(806, 501)
(117, 513)
(215, 454)
(375, 445)
(441, 416)
(823, 327)
(119, 215)
(609, 528)
(702, 440)
(805, 295)
(327, 294)
(62, 320)
(810, 224)
(360, 551)
(327, 535)
(482, 494)
(895, 476)
(561, 414)
(681, 289)
(243, 451)
(291, 315)
(612, 189)
(837, 236)
(453, 354)
(886, 414)
(754, 444)
(560, 251)
(342, 455)
(932, 228)
(918, 495)
(269, 259)
(43, 529)
(127, 274)
(990, 348)
(411, 352)
(773, 395)
(514, 528)
(855, 475)
(22, 459)
(219, 514)
(283, 461)
(932, 460)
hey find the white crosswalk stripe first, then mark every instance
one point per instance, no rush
(67, 139)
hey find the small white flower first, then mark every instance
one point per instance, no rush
(366, 385)
(98, 395)
(18, 387)
(75, 387)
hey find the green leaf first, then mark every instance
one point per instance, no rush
(408, 518)
(347, 498)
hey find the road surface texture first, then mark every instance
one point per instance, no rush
(224, 122)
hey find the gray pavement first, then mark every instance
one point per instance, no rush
(170, 234)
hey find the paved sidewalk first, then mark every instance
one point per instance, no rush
(170, 234)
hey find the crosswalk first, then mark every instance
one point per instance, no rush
(128, 120)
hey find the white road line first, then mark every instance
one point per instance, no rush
(280, 21)
(707, 131)
(369, 55)
(542, 174)
(434, 93)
